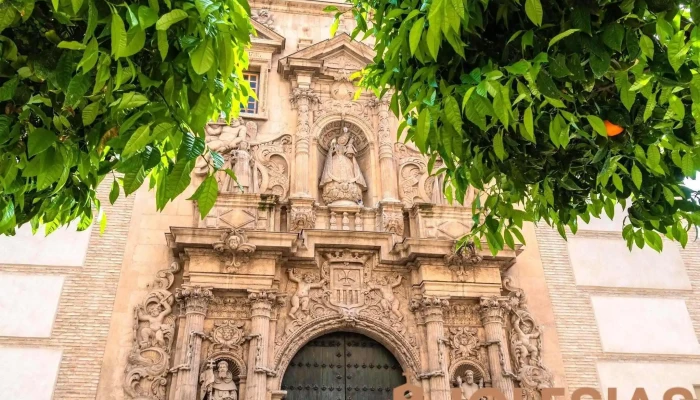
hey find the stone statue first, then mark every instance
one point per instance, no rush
(153, 333)
(218, 385)
(242, 167)
(223, 138)
(389, 302)
(342, 181)
(301, 296)
(468, 386)
(528, 353)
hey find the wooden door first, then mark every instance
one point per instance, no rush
(342, 366)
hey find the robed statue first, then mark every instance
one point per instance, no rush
(219, 384)
(342, 181)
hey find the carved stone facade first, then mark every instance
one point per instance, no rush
(330, 225)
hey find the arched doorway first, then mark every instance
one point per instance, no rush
(342, 366)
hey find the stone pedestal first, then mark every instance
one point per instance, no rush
(195, 300)
(493, 313)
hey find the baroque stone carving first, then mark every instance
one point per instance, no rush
(302, 217)
(303, 99)
(464, 342)
(460, 259)
(526, 344)
(219, 384)
(300, 298)
(234, 244)
(236, 308)
(462, 313)
(149, 360)
(271, 159)
(265, 17)
(468, 386)
(342, 181)
(227, 335)
(392, 221)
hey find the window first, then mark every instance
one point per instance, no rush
(253, 79)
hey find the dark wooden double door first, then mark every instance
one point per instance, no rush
(342, 366)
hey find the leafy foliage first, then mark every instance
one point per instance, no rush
(538, 93)
(89, 88)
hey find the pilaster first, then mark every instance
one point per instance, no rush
(431, 310)
(493, 312)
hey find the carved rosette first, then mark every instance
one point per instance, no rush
(148, 363)
(194, 298)
(235, 246)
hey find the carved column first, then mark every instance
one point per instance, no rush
(431, 308)
(493, 313)
(303, 97)
(261, 309)
(195, 300)
(387, 166)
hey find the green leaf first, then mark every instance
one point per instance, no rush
(163, 44)
(40, 139)
(529, 127)
(636, 176)
(118, 36)
(202, 58)
(600, 63)
(114, 193)
(498, 146)
(76, 5)
(173, 17)
(533, 9)
(206, 195)
(454, 116)
(147, 17)
(71, 45)
(89, 56)
(649, 108)
(653, 240)
(133, 180)
(138, 140)
(546, 85)
(688, 166)
(136, 38)
(677, 50)
(562, 36)
(422, 129)
(668, 195)
(415, 35)
(132, 100)
(51, 169)
(90, 112)
(335, 25)
(647, 46)
(178, 179)
(653, 156)
(613, 35)
(598, 125)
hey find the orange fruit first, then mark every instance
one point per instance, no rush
(612, 129)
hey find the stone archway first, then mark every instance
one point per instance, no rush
(405, 353)
(342, 366)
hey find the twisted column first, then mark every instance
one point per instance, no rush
(302, 98)
(261, 310)
(195, 300)
(493, 313)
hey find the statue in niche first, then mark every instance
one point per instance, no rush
(389, 303)
(219, 384)
(301, 296)
(342, 181)
(468, 387)
(243, 168)
(153, 333)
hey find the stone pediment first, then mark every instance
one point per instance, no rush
(339, 55)
(267, 38)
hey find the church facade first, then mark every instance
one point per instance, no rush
(327, 270)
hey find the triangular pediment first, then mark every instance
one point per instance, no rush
(340, 53)
(266, 37)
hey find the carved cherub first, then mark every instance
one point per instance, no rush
(526, 332)
(301, 296)
(224, 138)
(153, 334)
(389, 302)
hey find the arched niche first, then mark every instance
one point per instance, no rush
(331, 127)
(400, 348)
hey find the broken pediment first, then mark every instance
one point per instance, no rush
(267, 38)
(334, 57)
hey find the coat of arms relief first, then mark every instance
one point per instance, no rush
(348, 285)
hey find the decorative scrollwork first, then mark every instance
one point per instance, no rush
(234, 243)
